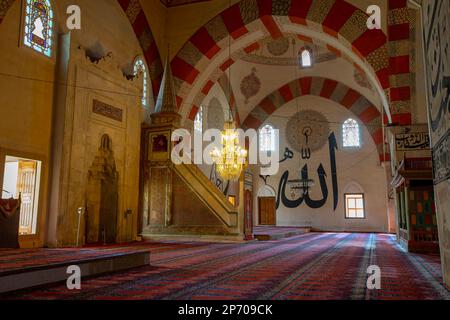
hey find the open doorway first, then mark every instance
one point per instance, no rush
(21, 177)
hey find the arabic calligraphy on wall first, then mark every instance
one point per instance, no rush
(322, 175)
(436, 28)
(441, 160)
(412, 141)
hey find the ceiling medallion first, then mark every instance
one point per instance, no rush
(278, 47)
(361, 79)
(307, 130)
(216, 116)
(250, 85)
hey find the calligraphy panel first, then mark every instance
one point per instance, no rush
(412, 141)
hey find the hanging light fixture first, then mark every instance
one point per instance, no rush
(296, 185)
(231, 159)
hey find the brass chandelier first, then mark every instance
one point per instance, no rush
(231, 160)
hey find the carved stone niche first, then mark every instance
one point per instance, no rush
(102, 196)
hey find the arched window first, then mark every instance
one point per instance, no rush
(198, 122)
(39, 26)
(306, 58)
(139, 67)
(351, 134)
(267, 139)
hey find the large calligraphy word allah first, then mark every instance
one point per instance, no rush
(314, 204)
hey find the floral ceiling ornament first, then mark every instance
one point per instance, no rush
(250, 86)
(216, 117)
(278, 47)
(361, 79)
(307, 130)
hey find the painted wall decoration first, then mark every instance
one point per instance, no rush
(250, 85)
(107, 110)
(307, 131)
(216, 116)
(400, 61)
(436, 29)
(412, 141)
(320, 56)
(441, 160)
(278, 47)
(361, 79)
(322, 175)
(4, 6)
(437, 55)
(438, 60)
(204, 51)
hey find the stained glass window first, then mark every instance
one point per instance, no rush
(267, 139)
(198, 122)
(139, 67)
(39, 26)
(306, 58)
(350, 134)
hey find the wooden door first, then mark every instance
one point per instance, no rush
(267, 211)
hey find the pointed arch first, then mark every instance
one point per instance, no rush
(136, 15)
(342, 24)
(140, 67)
(351, 134)
(329, 89)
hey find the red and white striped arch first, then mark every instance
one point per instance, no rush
(329, 89)
(340, 24)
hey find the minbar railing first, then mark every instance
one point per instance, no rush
(425, 236)
(416, 164)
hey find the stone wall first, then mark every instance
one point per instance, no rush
(99, 101)
(436, 30)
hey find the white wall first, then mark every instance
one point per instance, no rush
(354, 167)
(10, 180)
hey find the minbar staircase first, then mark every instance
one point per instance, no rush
(196, 209)
(209, 195)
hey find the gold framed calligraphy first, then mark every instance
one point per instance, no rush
(412, 141)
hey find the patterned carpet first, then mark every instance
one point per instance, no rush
(11, 260)
(310, 266)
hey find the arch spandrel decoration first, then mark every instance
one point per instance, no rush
(336, 18)
(329, 89)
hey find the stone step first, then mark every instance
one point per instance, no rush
(45, 274)
(277, 233)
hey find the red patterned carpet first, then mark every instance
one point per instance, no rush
(310, 266)
(11, 260)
